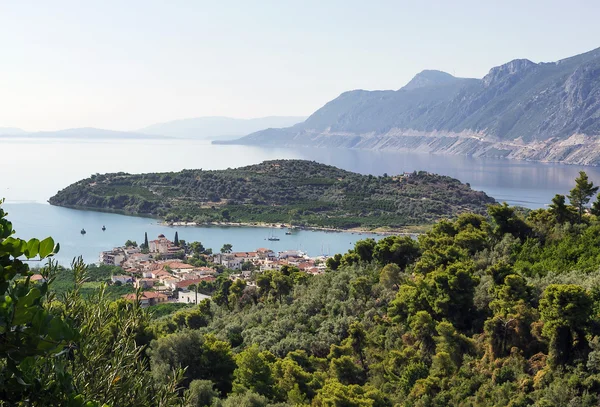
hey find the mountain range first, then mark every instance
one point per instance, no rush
(77, 133)
(521, 110)
(203, 128)
(218, 127)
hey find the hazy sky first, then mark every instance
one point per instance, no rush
(128, 64)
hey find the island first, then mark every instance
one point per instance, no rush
(297, 193)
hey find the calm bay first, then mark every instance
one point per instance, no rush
(36, 168)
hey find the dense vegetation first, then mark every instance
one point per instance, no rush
(283, 191)
(496, 310)
(64, 281)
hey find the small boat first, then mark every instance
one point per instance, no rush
(273, 238)
(288, 233)
(83, 232)
(103, 228)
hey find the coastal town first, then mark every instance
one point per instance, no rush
(164, 271)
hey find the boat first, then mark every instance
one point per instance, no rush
(288, 233)
(83, 232)
(103, 228)
(273, 238)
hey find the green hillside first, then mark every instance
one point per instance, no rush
(283, 191)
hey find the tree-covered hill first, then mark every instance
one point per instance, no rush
(282, 191)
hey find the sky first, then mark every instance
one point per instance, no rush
(124, 65)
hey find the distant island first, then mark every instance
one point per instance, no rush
(519, 110)
(218, 127)
(87, 133)
(199, 128)
(290, 192)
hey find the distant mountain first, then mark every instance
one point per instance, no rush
(81, 133)
(521, 110)
(11, 131)
(216, 127)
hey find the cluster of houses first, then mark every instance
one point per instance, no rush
(265, 259)
(164, 279)
(133, 256)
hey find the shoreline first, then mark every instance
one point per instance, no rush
(378, 231)
(413, 230)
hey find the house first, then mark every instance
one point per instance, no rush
(190, 297)
(186, 283)
(178, 268)
(291, 253)
(137, 258)
(159, 274)
(121, 279)
(177, 265)
(144, 283)
(170, 282)
(147, 298)
(273, 265)
(112, 257)
(205, 271)
(265, 253)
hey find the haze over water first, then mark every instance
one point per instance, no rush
(39, 168)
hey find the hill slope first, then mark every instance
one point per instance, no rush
(282, 191)
(212, 128)
(522, 110)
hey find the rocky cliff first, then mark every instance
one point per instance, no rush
(520, 110)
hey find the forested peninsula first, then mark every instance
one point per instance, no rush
(296, 192)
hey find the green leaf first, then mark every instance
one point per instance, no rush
(7, 229)
(33, 248)
(46, 247)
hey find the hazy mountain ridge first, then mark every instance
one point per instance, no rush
(522, 110)
(218, 127)
(78, 133)
(11, 131)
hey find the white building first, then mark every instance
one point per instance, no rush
(189, 297)
(121, 279)
(112, 257)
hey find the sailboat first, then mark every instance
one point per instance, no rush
(273, 238)
(83, 232)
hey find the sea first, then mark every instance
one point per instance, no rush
(35, 169)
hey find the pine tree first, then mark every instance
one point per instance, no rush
(582, 193)
(176, 242)
(596, 207)
(562, 213)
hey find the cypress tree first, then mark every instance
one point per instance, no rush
(145, 240)
(176, 242)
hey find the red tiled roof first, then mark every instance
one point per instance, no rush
(162, 273)
(245, 254)
(178, 265)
